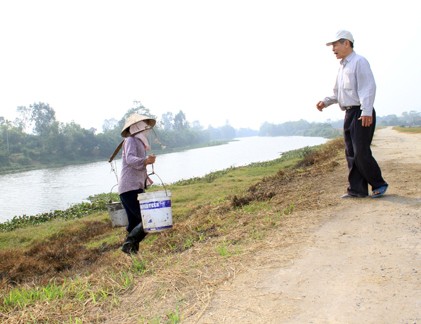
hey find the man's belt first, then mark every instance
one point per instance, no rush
(351, 107)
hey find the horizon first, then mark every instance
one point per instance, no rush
(238, 61)
(329, 121)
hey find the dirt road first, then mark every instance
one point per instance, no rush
(358, 263)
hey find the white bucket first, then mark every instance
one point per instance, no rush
(117, 214)
(156, 210)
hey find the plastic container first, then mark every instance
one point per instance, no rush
(156, 211)
(117, 214)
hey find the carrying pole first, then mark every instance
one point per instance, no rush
(116, 151)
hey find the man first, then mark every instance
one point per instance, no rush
(354, 91)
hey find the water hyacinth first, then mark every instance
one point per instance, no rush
(96, 203)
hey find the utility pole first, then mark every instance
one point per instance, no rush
(7, 139)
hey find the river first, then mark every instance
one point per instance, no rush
(39, 191)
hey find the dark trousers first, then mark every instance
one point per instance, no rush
(363, 168)
(132, 207)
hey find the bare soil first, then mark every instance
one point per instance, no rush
(348, 260)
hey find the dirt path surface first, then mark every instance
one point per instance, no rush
(357, 261)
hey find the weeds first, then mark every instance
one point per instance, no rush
(188, 243)
(223, 250)
(138, 266)
(20, 298)
(257, 234)
(174, 317)
(78, 290)
(123, 279)
(211, 235)
(288, 210)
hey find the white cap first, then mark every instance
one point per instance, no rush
(342, 34)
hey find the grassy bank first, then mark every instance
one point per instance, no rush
(413, 130)
(64, 269)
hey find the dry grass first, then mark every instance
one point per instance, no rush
(176, 272)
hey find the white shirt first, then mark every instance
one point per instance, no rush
(355, 85)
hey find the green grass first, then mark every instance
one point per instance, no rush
(20, 297)
(413, 130)
(27, 235)
(201, 216)
(80, 291)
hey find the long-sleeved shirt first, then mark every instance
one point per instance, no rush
(133, 172)
(355, 85)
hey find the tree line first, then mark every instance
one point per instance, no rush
(37, 139)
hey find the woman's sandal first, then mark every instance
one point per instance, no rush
(379, 192)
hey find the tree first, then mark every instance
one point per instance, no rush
(12, 138)
(23, 121)
(43, 117)
(180, 121)
(109, 124)
(167, 121)
(413, 118)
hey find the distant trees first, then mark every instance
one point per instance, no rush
(299, 128)
(37, 139)
(409, 119)
(332, 129)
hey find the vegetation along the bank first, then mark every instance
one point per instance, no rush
(67, 267)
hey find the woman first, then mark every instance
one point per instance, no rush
(134, 178)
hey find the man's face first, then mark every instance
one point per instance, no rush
(341, 50)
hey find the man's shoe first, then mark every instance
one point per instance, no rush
(347, 195)
(379, 191)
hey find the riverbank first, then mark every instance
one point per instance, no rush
(40, 166)
(56, 189)
(229, 229)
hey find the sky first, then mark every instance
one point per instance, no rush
(240, 62)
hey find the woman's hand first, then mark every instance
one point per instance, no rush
(150, 159)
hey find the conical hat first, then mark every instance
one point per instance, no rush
(133, 119)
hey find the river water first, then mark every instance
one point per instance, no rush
(39, 191)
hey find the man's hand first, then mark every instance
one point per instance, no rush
(366, 120)
(320, 105)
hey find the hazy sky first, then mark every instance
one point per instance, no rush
(239, 61)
